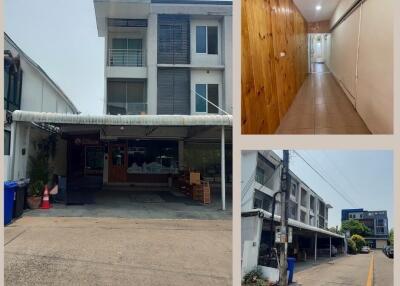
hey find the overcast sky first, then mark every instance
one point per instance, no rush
(365, 177)
(61, 36)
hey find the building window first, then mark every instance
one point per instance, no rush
(94, 158)
(126, 97)
(294, 190)
(7, 142)
(206, 98)
(260, 175)
(207, 40)
(12, 85)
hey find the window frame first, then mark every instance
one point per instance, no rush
(7, 145)
(206, 39)
(206, 96)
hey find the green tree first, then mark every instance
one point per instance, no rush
(351, 246)
(355, 227)
(359, 241)
(391, 237)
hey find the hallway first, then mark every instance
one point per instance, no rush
(321, 107)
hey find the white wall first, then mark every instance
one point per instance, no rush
(375, 66)
(362, 61)
(37, 93)
(341, 9)
(251, 228)
(227, 61)
(248, 168)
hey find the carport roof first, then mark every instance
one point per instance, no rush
(264, 214)
(138, 120)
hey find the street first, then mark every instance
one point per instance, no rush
(115, 251)
(350, 270)
(383, 269)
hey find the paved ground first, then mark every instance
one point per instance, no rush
(114, 251)
(346, 271)
(383, 274)
(146, 204)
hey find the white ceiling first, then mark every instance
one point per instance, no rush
(307, 8)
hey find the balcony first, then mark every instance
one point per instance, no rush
(126, 58)
(122, 108)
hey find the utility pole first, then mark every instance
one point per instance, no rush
(285, 195)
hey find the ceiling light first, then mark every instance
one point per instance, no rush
(318, 7)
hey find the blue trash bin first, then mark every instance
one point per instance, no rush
(291, 263)
(9, 192)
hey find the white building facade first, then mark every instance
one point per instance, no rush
(26, 87)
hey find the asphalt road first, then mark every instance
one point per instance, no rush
(345, 271)
(112, 251)
(383, 274)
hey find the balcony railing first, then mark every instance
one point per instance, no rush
(126, 57)
(136, 108)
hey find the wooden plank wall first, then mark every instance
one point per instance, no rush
(269, 81)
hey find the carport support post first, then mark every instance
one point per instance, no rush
(223, 167)
(315, 247)
(330, 246)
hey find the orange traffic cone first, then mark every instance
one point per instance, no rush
(46, 199)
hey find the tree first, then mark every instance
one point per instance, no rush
(391, 237)
(359, 241)
(355, 227)
(351, 246)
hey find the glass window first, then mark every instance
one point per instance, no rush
(212, 96)
(152, 157)
(201, 94)
(207, 40)
(7, 142)
(258, 203)
(212, 40)
(126, 97)
(260, 175)
(94, 157)
(201, 39)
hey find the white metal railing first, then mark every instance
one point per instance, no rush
(135, 108)
(126, 57)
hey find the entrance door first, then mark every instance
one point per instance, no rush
(118, 163)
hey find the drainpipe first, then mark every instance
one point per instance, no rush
(13, 147)
(223, 167)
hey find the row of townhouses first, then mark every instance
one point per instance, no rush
(167, 102)
(308, 215)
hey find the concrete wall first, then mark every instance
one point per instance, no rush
(251, 228)
(362, 61)
(248, 167)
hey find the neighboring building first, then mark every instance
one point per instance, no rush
(308, 214)
(376, 221)
(26, 87)
(261, 179)
(167, 103)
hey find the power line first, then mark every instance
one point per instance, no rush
(350, 201)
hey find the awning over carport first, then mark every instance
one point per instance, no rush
(263, 214)
(117, 123)
(123, 120)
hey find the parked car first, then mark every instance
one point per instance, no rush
(389, 251)
(365, 249)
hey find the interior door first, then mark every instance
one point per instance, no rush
(118, 163)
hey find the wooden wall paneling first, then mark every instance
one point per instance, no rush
(269, 81)
(258, 78)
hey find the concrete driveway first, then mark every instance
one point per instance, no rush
(117, 251)
(348, 270)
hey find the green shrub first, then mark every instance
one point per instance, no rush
(351, 246)
(359, 241)
(254, 278)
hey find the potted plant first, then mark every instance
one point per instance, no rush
(35, 192)
(39, 170)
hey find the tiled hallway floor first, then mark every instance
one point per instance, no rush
(321, 107)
